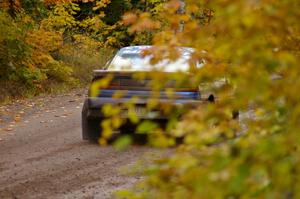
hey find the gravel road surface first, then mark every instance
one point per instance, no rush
(42, 154)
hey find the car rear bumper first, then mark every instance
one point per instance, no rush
(95, 105)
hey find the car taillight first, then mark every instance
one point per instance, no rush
(114, 84)
(127, 83)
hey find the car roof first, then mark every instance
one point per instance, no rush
(140, 48)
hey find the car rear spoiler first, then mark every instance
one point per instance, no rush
(102, 73)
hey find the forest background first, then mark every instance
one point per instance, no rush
(53, 45)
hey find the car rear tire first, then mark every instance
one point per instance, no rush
(91, 127)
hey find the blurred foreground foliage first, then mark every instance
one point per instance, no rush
(255, 45)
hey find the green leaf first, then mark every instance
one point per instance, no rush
(123, 142)
(146, 127)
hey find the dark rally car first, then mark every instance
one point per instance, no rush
(128, 62)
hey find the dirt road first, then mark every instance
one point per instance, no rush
(42, 154)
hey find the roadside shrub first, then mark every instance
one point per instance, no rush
(84, 54)
(14, 51)
(25, 53)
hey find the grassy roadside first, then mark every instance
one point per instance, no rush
(81, 61)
